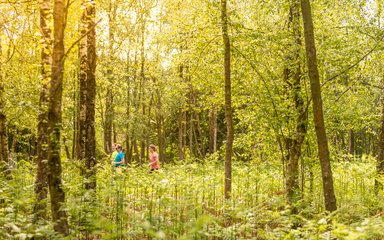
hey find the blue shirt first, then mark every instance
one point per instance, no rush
(118, 158)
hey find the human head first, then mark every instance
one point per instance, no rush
(113, 146)
(152, 147)
(119, 148)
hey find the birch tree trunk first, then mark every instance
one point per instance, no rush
(41, 183)
(82, 132)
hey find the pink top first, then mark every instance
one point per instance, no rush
(155, 161)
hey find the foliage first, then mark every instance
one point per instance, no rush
(151, 40)
(185, 201)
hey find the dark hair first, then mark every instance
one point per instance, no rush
(118, 146)
(153, 147)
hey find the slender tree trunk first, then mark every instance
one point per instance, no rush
(82, 131)
(109, 110)
(127, 137)
(380, 158)
(159, 122)
(66, 148)
(293, 79)
(3, 119)
(180, 119)
(228, 101)
(191, 150)
(136, 151)
(75, 117)
(198, 133)
(212, 129)
(147, 130)
(184, 132)
(108, 124)
(326, 170)
(351, 142)
(59, 215)
(180, 135)
(143, 144)
(161, 137)
(136, 105)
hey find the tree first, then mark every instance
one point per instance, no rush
(322, 143)
(59, 215)
(228, 106)
(87, 55)
(108, 120)
(90, 147)
(41, 183)
(380, 157)
(83, 69)
(3, 118)
(213, 129)
(292, 79)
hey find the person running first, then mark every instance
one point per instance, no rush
(154, 163)
(119, 159)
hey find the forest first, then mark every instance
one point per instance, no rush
(267, 118)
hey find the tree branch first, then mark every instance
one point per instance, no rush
(81, 37)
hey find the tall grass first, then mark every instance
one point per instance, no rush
(185, 201)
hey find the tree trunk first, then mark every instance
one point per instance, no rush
(380, 158)
(66, 148)
(198, 133)
(180, 121)
(114, 138)
(329, 194)
(90, 147)
(143, 144)
(59, 215)
(228, 103)
(191, 150)
(41, 183)
(109, 111)
(351, 142)
(212, 129)
(184, 132)
(136, 151)
(3, 120)
(159, 123)
(82, 131)
(161, 137)
(75, 117)
(128, 112)
(143, 148)
(293, 80)
(108, 124)
(180, 135)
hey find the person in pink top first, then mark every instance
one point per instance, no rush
(154, 163)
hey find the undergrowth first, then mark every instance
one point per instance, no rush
(185, 201)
